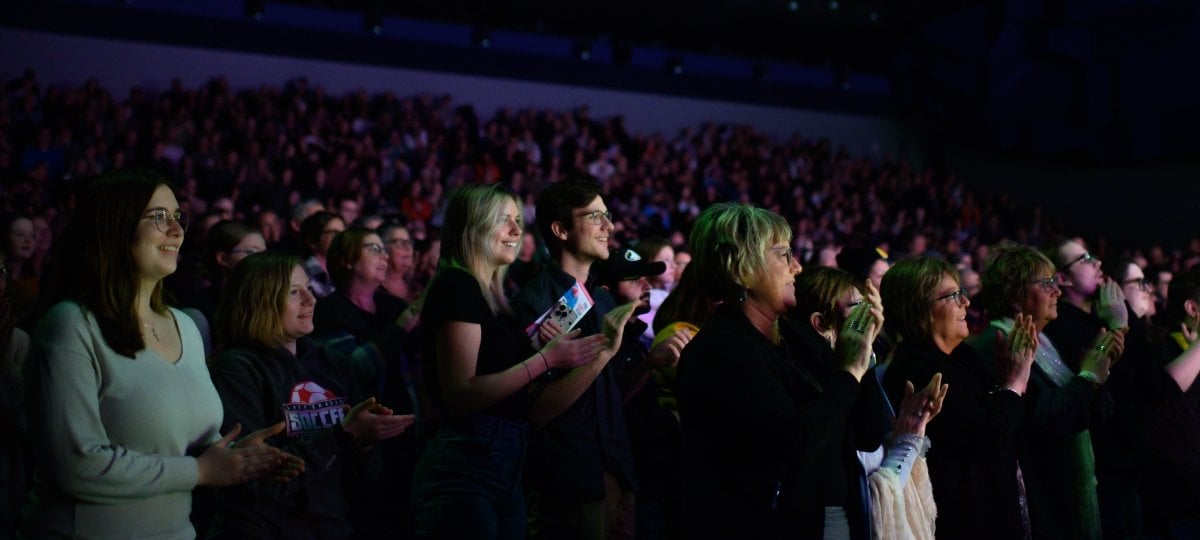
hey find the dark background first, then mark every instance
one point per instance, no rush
(1088, 109)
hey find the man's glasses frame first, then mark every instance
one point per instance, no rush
(595, 215)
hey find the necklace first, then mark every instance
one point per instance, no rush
(153, 331)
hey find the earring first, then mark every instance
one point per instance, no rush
(741, 295)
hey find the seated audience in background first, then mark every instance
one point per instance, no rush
(23, 277)
(401, 261)
(269, 372)
(293, 238)
(317, 233)
(124, 414)
(227, 243)
(657, 249)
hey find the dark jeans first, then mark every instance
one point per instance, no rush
(468, 481)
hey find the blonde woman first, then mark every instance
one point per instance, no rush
(478, 362)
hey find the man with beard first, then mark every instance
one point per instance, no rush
(653, 430)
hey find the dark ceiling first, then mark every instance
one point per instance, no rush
(851, 34)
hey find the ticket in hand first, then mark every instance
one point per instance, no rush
(566, 312)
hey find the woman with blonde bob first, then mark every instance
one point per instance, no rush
(977, 482)
(478, 363)
(270, 372)
(755, 416)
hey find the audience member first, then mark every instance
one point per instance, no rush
(478, 361)
(1057, 451)
(317, 232)
(270, 373)
(977, 480)
(754, 416)
(125, 418)
(14, 454)
(401, 261)
(580, 466)
(654, 435)
(892, 480)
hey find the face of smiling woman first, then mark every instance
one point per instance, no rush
(297, 314)
(507, 238)
(155, 251)
(948, 327)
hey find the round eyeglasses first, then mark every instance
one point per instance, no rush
(162, 219)
(595, 216)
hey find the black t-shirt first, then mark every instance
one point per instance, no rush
(454, 295)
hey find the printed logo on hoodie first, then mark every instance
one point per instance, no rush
(313, 409)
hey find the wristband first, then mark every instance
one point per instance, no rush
(525, 364)
(1091, 378)
(545, 362)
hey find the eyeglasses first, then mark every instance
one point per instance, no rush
(783, 253)
(1086, 258)
(373, 248)
(400, 243)
(595, 215)
(1142, 283)
(1047, 283)
(957, 297)
(162, 219)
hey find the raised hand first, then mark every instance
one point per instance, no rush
(1189, 333)
(917, 409)
(1104, 352)
(667, 352)
(1110, 304)
(873, 299)
(855, 339)
(1014, 354)
(614, 324)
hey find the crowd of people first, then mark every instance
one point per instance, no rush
(277, 313)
